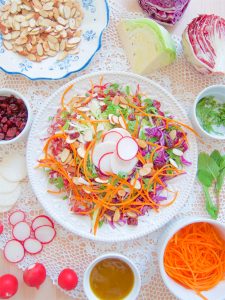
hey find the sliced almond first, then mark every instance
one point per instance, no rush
(52, 39)
(146, 170)
(116, 215)
(72, 24)
(81, 151)
(173, 134)
(116, 100)
(62, 21)
(8, 45)
(62, 55)
(88, 136)
(13, 9)
(67, 12)
(31, 57)
(62, 45)
(115, 119)
(43, 13)
(121, 193)
(40, 50)
(64, 154)
(177, 152)
(110, 117)
(135, 183)
(48, 6)
(122, 123)
(131, 214)
(74, 40)
(99, 180)
(142, 144)
(21, 41)
(7, 37)
(173, 163)
(15, 34)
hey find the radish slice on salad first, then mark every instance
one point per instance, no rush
(14, 251)
(105, 163)
(118, 165)
(127, 148)
(10, 199)
(121, 131)
(32, 246)
(100, 150)
(41, 221)
(45, 234)
(112, 136)
(21, 231)
(7, 186)
(16, 217)
(13, 167)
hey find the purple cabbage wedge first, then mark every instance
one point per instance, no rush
(165, 11)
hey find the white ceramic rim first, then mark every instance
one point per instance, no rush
(54, 214)
(137, 278)
(168, 234)
(6, 92)
(198, 98)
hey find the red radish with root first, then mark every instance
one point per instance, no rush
(8, 286)
(34, 275)
(105, 163)
(21, 231)
(41, 221)
(45, 234)
(112, 136)
(32, 246)
(68, 279)
(14, 251)
(127, 148)
(16, 217)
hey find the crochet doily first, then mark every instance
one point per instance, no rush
(68, 250)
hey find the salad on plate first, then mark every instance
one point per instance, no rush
(111, 152)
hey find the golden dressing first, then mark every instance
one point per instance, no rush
(111, 279)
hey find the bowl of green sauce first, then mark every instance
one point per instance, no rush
(112, 277)
(209, 112)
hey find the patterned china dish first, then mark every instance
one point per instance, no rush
(95, 17)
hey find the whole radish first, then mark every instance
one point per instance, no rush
(8, 286)
(1, 227)
(67, 279)
(34, 275)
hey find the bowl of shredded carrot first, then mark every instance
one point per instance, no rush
(192, 259)
(115, 156)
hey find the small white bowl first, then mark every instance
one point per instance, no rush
(218, 292)
(217, 91)
(137, 279)
(24, 132)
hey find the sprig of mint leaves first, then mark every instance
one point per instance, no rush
(211, 174)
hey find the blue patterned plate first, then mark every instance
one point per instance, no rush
(96, 17)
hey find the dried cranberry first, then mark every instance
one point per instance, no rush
(2, 136)
(74, 136)
(5, 128)
(103, 107)
(11, 132)
(132, 221)
(4, 120)
(131, 117)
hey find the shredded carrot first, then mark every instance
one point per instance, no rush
(195, 257)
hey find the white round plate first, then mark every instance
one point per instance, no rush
(81, 225)
(96, 18)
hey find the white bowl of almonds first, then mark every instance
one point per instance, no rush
(50, 39)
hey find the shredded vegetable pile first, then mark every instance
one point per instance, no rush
(195, 257)
(80, 170)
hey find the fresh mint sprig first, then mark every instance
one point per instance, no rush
(211, 174)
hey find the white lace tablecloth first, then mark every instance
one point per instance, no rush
(72, 251)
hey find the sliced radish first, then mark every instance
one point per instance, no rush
(45, 234)
(41, 221)
(112, 136)
(119, 165)
(11, 198)
(105, 163)
(127, 148)
(121, 131)
(32, 246)
(13, 167)
(21, 231)
(16, 217)
(7, 186)
(100, 150)
(14, 251)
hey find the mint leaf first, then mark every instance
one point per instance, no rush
(205, 178)
(66, 125)
(122, 174)
(216, 156)
(210, 207)
(220, 181)
(206, 163)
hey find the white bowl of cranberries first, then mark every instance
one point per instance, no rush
(15, 116)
